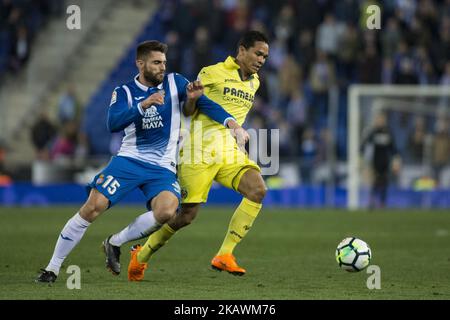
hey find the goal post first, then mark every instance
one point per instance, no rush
(365, 100)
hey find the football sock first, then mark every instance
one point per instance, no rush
(70, 235)
(141, 227)
(240, 223)
(155, 241)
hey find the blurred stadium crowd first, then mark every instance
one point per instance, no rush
(317, 47)
(20, 21)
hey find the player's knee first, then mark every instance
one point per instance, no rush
(180, 221)
(257, 193)
(91, 210)
(164, 206)
(164, 213)
(165, 216)
(94, 206)
(185, 217)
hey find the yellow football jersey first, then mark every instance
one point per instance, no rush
(224, 85)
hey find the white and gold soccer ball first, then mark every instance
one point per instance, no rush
(353, 254)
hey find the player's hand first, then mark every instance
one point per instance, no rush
(396, 165)
(194, 89)
(155, 99)
(241, 136)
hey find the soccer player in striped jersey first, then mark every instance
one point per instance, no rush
(148, 110)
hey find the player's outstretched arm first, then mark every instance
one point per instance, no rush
(213, 110)
(194, 98)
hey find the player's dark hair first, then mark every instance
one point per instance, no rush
(144, 48)
(249, 38)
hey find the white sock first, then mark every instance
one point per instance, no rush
(143, 226)
(70, 235)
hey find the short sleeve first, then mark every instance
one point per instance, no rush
(181, 83)
(205, 77)
(118, 97)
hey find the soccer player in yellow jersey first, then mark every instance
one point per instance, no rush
(209, 155)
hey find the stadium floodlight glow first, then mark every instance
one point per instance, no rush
(382, 96)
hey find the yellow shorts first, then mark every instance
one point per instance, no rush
(196, 179)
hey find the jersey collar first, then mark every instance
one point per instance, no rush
(230, 63)
(143, 87)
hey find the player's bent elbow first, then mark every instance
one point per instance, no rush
(113, 127)
(187, 112)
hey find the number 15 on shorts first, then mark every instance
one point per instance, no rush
(111, 185)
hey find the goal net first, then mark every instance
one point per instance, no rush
(418, 118)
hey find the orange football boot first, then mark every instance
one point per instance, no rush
(227, 262)
(135, 268)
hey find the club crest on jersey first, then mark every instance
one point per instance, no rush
(113, 98)
(150, 112)
(152, 119)
(184, 193)
(100, 179)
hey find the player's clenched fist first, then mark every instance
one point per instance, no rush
(155, 99)
(194, 89)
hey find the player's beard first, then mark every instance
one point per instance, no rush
(153, 78)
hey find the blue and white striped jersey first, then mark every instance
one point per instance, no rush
(152, 135)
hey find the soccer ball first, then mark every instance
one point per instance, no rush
(353, 254)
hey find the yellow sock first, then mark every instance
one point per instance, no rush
(240, 223)
(156, 240)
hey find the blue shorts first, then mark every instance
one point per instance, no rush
(124, 174)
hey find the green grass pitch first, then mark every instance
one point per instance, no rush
(288, 254)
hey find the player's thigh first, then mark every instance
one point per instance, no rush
(230, 175)
(251, 182)
(161, 189)
(117, 179)
(196, 181)
(94, 205)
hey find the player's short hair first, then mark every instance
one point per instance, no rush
(249, 38)
(144, 48)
